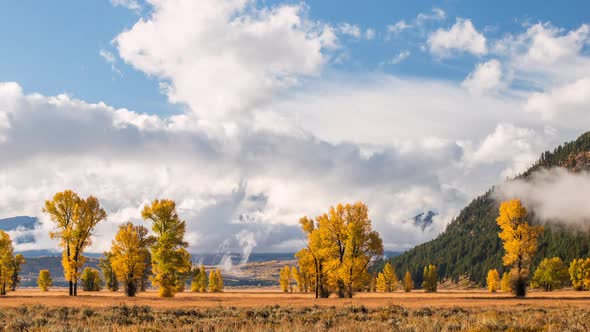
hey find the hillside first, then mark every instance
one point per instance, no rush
(470, 244)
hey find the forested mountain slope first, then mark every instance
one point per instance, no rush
(470, 244)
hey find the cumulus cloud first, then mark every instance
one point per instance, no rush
(130, 4)
(461, 37)
(224, 58)
(486, 77)
(555, 196)
(401, 56)
(569, 99)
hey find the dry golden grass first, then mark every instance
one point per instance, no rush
(270, 296)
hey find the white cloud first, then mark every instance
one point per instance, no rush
(396, 28)
(130, 4)
(370, 34)
(419, 22)
(486, 77)
(570, 99)
(401, 56)
(349, 29)
(437, 14)
(461, 37)
(224, 58)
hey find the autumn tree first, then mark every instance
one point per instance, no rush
(505, 285)
(6, 259)
(110, 279)
(130, 250)
(304, 274)
(215, 281)
(200, 279)
(493, 280)
(91, 281)
(170, 261)
(286, 279)
(520, 242)
(408, 282)
(551, 274)
(430, 279)
(579, 271)
(75, 219)
(341, 246)
(387, 280)
(17, 263)
(44, 281)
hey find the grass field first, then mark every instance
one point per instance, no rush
(271, 310)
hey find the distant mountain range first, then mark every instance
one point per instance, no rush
(424, 219)
(24, 225)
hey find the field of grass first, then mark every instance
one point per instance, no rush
(270, 310)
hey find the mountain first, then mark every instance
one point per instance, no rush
(24, 225)
(424, 219)
(470, 244)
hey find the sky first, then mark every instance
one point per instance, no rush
(251, 114)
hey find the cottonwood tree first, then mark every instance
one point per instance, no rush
(170, 261)
(408, 282)
(505, 285)
(110, 279)
(215, 281)
(286, 279)
(6, 258)
(199, 282)
(341, 246)
(520, 242)
(75, 219)
(387, 280)
(91, 281)
(17, 263)
(44, 281)
(551, 274)
(130, 250)
(430, 279)
(493, 280)
(579, 271)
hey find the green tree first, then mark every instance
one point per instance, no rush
(110, 279)
(430, 279)
(44, 281)
(17, 263)
(75, 219)
(550, 275)
(91, 281)
(6, 259)
(170, 260)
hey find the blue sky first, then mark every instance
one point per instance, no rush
(237, 109)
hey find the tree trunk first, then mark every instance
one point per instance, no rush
(76, 288)
(71, 288)
(3, 289)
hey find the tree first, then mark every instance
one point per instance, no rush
(505, 285)
(430, 279)
(75, 219)
(493, 280)
(44, 281)
(130, 251)
(551, 274)
(215, 281)
(170, 261)
(110, 279)
(6, 259)
(197, 278)
(340, 248)
(17, 263)
(286, 279)
(408, 282)
(387, 280)
(520, 242)
(579, 271)
(91, 281)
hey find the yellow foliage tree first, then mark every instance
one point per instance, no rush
(44, 281)
(519, 241)
(387, 280)
(493, 280)
(505, 285)
(6, 258)
(17, 263)
(171, 263)
(75, 219)
(91, 281)
(430, 279)
(579, 271)
(341, 245)
(286, 279)
(215, 281)
(551, 274)
(408, 282)
(129, 254)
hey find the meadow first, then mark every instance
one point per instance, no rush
(270, 310)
